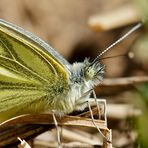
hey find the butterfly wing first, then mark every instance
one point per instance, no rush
(30, 71)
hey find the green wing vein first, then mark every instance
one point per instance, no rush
(27, 73)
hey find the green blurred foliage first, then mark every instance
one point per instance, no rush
(141, 100)
(141, 46)
(142, 5)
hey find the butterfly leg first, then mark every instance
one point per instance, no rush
(97, 104)
(92, 117)
(57, 129)
(103, 101)
(107, 138)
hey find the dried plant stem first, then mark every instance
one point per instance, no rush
(115, 19)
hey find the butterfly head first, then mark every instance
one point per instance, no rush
(93, 71)
(88, 72)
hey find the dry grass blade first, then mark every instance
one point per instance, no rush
(9, 134)
(23, 143)
(115, 19)
(69, 145)
(112, 86)
(47, 119)
(124, 111)
(29, 126)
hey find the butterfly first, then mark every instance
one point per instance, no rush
(35, 78)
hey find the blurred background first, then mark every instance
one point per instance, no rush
(83, 28)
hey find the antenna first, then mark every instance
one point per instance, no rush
(129, 55)
(115, 56)
(118, 41)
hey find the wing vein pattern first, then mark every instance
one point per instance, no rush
(28, 71)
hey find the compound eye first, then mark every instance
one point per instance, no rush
(90, 73)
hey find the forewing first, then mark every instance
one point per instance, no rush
(29, 68)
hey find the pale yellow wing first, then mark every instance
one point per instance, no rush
(30, 69)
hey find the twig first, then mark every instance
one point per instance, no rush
(114, 85)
